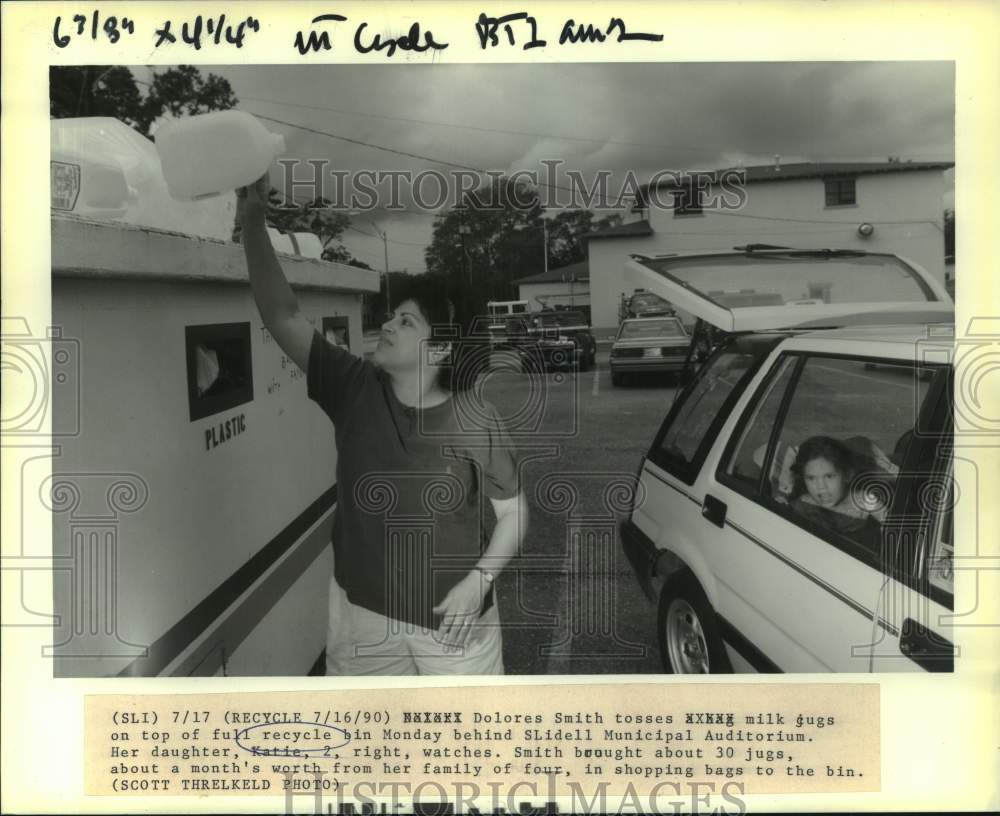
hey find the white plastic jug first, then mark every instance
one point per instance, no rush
(215, 153)
(281, 241)
(307, 245)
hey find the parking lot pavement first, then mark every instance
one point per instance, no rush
(570, 602)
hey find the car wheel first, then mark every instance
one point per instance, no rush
(587, 361)
(616, 379)
(689, 639)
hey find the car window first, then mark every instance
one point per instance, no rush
(703, 405)
(749, 460)
(793, 276)
(637, 329)
(836, 456)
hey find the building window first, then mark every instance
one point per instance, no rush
(687, 200)
(840, 192)
(219, 368)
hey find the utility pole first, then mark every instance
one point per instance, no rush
(545, 246)
(463, 230)
(388, 294)
(384, 235)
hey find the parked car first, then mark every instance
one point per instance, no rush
(644, 304)
(556, 339)
(655, 345)
(796, 503)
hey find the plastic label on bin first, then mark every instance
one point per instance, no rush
(65, 191)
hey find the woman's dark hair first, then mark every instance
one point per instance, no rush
(448, 325)
(822, 447)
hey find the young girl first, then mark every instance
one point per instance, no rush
(823, 471)
(412, 591)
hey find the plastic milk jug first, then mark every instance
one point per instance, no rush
(215, 153)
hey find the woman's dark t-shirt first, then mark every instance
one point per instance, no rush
(412, 485)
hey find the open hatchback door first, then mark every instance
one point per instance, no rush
(762, 289)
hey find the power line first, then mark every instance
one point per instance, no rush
(459, 126)
(407, 154)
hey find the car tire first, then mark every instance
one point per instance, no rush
(616, 379)
(689, 638)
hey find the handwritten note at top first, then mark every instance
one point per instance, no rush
(514, 30)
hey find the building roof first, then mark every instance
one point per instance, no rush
(575, 272)
(815, 170)
(630, 230)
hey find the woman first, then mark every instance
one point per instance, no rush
(412, 591)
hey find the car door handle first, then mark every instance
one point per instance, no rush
(714, 510)
(926, 648)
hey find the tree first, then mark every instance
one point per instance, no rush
(376, 307)
(114, 91)
(317, 217)
(492, 239)
(568, 231)
(82, 90)
(482, 249)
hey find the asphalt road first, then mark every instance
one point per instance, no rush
(570, 602)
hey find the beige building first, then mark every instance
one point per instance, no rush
(794, 205)
(568, 286)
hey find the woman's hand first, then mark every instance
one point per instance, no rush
(461, 608)
(251, 202)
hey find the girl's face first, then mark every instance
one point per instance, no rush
(402, 339)
(824, 482)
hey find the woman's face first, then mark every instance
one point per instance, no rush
(403, 339)
(824, 482)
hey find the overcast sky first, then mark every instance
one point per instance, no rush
(618, 117)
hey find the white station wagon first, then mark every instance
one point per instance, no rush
(795, 510)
